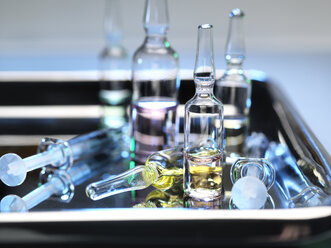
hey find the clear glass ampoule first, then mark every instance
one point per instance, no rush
(163, 170)
(155, 78)
(115, 87)
(203, 127)
(234, 89)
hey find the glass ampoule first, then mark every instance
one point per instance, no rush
(234, 89)
(162, 170)
(155, 78)
(203, 127)
(115, 87)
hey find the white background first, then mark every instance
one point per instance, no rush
(289, 40)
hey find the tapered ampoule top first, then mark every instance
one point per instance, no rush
(112, 22)
(235, 45)
(204, 69)
(156, 20)
(198, 130)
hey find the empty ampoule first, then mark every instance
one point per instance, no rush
(59, 184)
(234, 89)
(115, 86)
(295, 186)
(162, 170)
(203, 126)
(56, 153)
(155, 80)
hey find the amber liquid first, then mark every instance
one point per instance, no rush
(168, 178)
(203, 173)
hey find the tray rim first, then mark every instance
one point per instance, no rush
(164, 214)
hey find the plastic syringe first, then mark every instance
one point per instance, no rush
(295, 186)
(254, 165)
(57, 153)
(58, 183)
(163, 170)
(252, 177)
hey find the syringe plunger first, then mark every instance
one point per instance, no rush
(252, 178)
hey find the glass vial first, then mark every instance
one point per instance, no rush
(203, 123)
(155, 78)
(234, 89)
(115, 87)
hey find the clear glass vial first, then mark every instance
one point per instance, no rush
(203, 123)
(155, 77)
(115, 87)
(234, 88)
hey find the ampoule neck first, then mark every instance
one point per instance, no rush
(235, 45)
(156, 21)
(203, 88)
(234, 68)
(156, 31)
(155, 38)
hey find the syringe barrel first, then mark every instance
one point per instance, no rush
(293, 183)
(83, 146)
(256, 145)
(289, 176)
(86, 169)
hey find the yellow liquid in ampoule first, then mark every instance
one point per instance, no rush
(203, 173)
(167, 178)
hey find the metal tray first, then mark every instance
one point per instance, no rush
(64, 104)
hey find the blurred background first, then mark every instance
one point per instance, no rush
(288, 40)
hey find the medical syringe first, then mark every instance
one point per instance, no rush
(59, 183)
(57, 153)
(252, 177)
(254, 165)
(163, 170)
(295, 185)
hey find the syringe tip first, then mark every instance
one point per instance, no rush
(249, 193)
(13, 203)
(12, 169)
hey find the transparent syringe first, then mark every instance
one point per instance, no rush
(295, 185)
(57, 153)
(163, 170)
(59, 184)
(252, 177)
